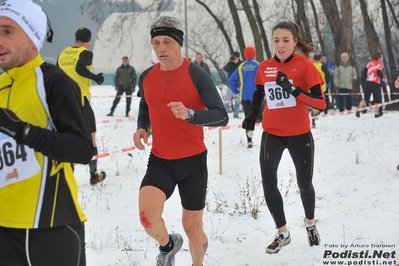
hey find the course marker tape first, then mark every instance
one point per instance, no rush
(228, 127)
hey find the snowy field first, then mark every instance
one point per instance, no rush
(355, 178)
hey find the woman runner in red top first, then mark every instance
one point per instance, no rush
(290, 82)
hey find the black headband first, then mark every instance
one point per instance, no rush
(176, 34)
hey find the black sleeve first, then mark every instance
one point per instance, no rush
(314, 91)
(215, 114)
(143, 119)
(85, 59)
(134, 77)
(207, 69)
(257, 98)
(363, 76)
(315, 98)
(71, 142)
(380, 73)
(326, 73)
(116, 77)
(229, 67)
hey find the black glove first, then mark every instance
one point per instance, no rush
(284, 83)
(250, 120)
(12, 126)
(99, 78)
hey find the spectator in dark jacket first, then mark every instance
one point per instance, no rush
(125, 82)
(230, 67)
(201, 63)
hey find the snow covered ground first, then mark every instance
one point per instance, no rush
(355, 178)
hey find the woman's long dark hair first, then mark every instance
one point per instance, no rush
(301, 47)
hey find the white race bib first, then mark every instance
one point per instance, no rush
(278, 98)
(17, 162)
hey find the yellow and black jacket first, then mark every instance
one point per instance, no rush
(37, 185)
(68, 61)
(323, 73)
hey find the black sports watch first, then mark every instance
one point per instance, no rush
(191, 114)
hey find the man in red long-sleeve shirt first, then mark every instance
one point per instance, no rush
(179, 98)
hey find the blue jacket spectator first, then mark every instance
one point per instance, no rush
(242, 82)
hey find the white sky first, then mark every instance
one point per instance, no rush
(355, 179)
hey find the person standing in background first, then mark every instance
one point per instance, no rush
(330, 68)
(325, 74)
(230, 67)
(290, 83)
(242, 83)
(344, 76)
(76, 61)
(125, 82)
(179, 98)
(42, 131)
(200, 62)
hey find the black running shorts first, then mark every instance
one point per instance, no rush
(189, 174)
(90, 118)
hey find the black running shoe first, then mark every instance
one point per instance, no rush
(313, 236)
(278, 243)
(98, 178)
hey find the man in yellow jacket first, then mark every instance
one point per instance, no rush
(325, 74)
(76, 61)
(42, 130)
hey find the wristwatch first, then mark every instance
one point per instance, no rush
(191, 114)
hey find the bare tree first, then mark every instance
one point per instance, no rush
(330, 9)
(237, 24)
(317, 26)
(372, 39)
(302, 20)
(254, 29)
(346, 43)
(262, 31)
(220, 24)
(392, 71)
(394, 16)
(219, 31)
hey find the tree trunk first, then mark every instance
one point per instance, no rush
(318, 31)
(303, 21)
(330, 9)
(394, 17)
(254, 28)
(373, 42)
(347, 27)
(262, 31)
(237, 25)
(391, 71)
